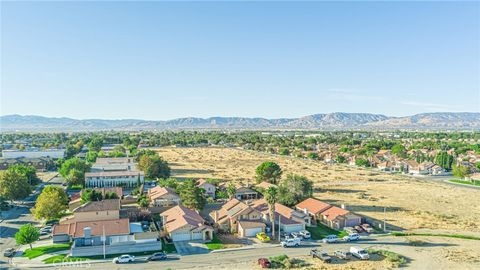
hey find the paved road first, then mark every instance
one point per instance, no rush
(18, 216)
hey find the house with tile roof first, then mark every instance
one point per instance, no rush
(95, 210)
(184, 224)
(209, 188)
(93, 237)
(332, 216)
(237, 217)
(163, 196)
(290, 220)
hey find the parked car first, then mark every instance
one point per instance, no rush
(350, 230)
(322, 255)
(352, 237)
(296, 235)
(286, 235)
(360, 253)
(330, 239)
(263, 237)
(159, 256)
(51, 222)
(124, 259)
(292, 242)
(359, 229)
(366, 227)
(9, 252)
(305, 234)
(345, 255)
(264, 262)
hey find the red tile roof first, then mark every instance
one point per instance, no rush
(112, 227)
(333, 212)
(313, 206)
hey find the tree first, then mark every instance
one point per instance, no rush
(13, 185)
(284, 152)
(312, 155)
(192, 196)
(27, 171)
(51, 203)
(268, 171)
(231, 190)
(143, 201)
(271, 198)
(169, 182)
(461, 171)
(111, 195)
(444, 160)
(294, 189)
(78, 166)
(91, 156)
(340, 159)
(27, 234)
(399, 150)
(90, 195)
(154, 166)
(361, 162)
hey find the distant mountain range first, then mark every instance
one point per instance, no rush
(329, 121)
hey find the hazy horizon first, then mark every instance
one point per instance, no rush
(168, 60)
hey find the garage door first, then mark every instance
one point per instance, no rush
(252, 232)
(293, 228)
(180, 236)
(197, 236)
(352, 222)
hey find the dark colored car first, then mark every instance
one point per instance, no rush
(159, 256)
(9, 252)
(264, 262)
(51, 222)
(322, 255)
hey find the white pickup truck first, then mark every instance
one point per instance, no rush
(360, 253)
(291, 242)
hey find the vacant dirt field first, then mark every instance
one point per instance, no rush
(411, 203)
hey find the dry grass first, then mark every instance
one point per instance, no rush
(411, 203)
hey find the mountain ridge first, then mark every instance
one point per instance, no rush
(322, 121)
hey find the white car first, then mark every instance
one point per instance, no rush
(296, 235)
(292, 242)
(305, 234)
(330, 239)
(124, 259)
(360, 253)
(352, 237)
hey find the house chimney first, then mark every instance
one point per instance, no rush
(87, 232)
(343, 206)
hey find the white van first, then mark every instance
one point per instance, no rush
(291, 242)
(360, 253)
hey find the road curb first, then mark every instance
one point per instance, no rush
(243, 248)
(460, 184)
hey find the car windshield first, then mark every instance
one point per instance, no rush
(362, 252)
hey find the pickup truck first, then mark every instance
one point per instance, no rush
(292, 242)
(322, 255)
(344, 255)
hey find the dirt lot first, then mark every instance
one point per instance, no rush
(411, 203)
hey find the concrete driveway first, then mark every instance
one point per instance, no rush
(190, 247)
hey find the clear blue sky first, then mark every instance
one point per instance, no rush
(162, 60)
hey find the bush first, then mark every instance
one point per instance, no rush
(396, 259)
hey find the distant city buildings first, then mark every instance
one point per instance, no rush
(34, 153)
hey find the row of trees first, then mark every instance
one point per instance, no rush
(17, 182)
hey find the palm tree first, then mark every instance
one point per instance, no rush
(271, 198)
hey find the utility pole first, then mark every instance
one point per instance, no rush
(104, 239)
(384, 219)
(279, 226)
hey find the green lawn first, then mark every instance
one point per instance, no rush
(61, 258)
(465, 182)
(321, 231)
(215, 244)
(39, 251)
(168, 247)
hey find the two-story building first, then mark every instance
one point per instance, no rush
(163, 196)
(238, 217)
(209, 188)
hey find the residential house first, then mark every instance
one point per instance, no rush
(183, 224)
(337, 218)
(76, 198)
(385, 166)
(332, 216)
(264, 185)
(163, 196)
(237, 217)
(95, 237)
(209, 188)
(244, 193)
(95, 210)
(437, 170)
(313, 207)
(290, 220)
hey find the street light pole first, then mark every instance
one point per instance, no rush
(384, 218)
(104, 239)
